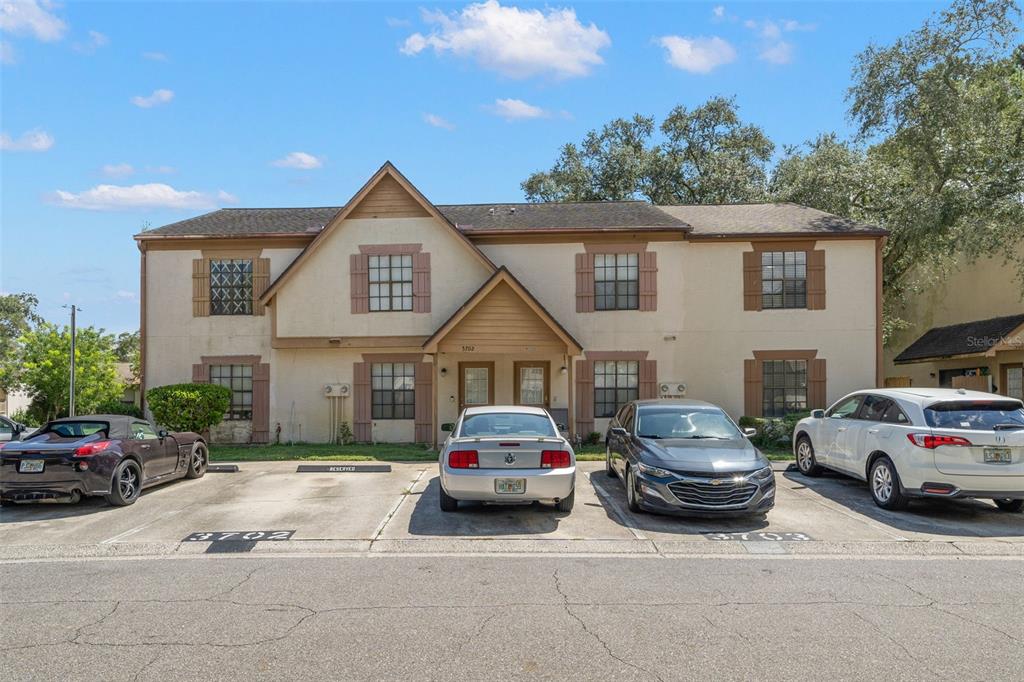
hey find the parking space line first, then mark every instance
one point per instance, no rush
(394, 510)
(622, 518)
(133, 531)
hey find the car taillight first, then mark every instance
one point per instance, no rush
(463, 459)
(554, 459)
(92, 448)
(927, 440)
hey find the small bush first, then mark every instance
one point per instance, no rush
(189, 407)
(23, 416)
(593, 438)
(345, 435)
(118, 407)
(773, 431)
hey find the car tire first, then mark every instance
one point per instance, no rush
(608, 470)
(632, 496)
(126, 484)
(886, 489)
(448, 503)
(566, 503)
(805, 459)
(198, 460)
(1010, 506)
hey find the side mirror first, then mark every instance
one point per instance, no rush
(817, 414)
(448, 427)
(161, 434)
(748, 432)
(19, 429)
(620, 432)
(562, 427)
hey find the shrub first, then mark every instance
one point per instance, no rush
(118, 407)
(593, 438)
(23, 416)
(345, 435)
(773, 431)
(189, 407)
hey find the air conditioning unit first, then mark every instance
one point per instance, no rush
(672, 389)
(337, 390)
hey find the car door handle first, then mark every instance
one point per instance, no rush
(841, 428)
(872, 430)
(146, 447)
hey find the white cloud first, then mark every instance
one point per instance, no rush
(96, 41)
(438, 122)
(117, 170)
(516, 110)
(697, 55)
(147, 196)
(155, 56)
(300, 160)
(7, 55)
(35, 140)
(718, 12)
(160, 96)
(515, 42)
(779, 52)
(29, 17)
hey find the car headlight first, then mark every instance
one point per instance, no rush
(762, 474)
(653, 471)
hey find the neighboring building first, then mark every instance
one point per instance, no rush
(967, 332)
(392, 313)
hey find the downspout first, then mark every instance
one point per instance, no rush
(142, 327)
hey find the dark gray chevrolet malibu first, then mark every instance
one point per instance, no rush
(687, 456)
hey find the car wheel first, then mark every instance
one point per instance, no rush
(885, 485)
(448, 503)
(565, 504)
(126, 484)
(805, 460)
(1011, 506)
(197, 461)
(608, 470)
(632, 495)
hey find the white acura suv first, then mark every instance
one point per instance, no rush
(920, 442)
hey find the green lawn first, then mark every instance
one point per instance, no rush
(381, 452)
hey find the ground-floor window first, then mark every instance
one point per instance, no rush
(393, 388)
(616, 382)
(238, 378)
(784, 387)
(1015, 382)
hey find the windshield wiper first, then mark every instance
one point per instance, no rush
(651, 436)
(1007, 427)
(705, 437)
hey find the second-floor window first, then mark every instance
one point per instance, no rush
(231, 286)
(784, 279)
(238, 378)
(393, 390)
(390, 283)
(616, 281)
(616, 382)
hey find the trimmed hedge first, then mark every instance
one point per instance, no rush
(189, 407)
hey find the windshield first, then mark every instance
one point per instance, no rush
(62, 431)
(680, 422)
(975, 415)
(507, 424)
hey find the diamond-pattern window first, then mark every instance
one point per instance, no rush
(231, 286)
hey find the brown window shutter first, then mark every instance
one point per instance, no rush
(648, 280)
(648, 379)
(261, 403)
(753, 388)
(421, 284)
(816, 374)
(752, 287)
(815, 280)
(362, 402)
(200, 374)
(359, 271)
(584, 282)
(424, 407)
(260, 282)
(584, 397)
(200, 287)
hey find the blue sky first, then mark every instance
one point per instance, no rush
(118, 115)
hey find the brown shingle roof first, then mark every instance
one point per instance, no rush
(967, 338)
(585, 215)
(766, 219)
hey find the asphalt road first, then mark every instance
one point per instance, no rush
(468, 617)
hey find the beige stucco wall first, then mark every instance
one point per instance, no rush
(700, 333)
(315, 301)
(979, 291)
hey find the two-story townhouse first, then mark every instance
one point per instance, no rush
(391, 313)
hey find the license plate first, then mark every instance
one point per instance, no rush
(510, 486)
(30, 466)
(998, 456)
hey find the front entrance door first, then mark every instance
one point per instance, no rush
(476, 384)
(532, 383)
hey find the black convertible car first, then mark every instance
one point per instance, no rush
(104, 454)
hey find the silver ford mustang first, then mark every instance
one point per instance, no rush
(506, 455)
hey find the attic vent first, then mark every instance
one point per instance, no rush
(512, 210)
(490, 211)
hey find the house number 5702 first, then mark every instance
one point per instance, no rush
(469, 349)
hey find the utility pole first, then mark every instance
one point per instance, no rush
(71, 400)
